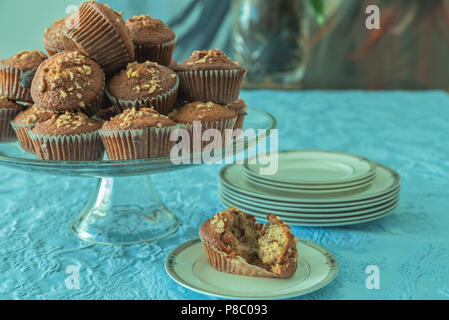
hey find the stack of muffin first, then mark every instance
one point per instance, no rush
(112, 85)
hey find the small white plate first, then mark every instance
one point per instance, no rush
(270, 187)
(312, 206)
(308, 212)
(188, 266)
(293, 187)
(289, 217)
(305, 167)
(386, 180)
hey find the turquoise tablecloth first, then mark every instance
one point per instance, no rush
(404, 130)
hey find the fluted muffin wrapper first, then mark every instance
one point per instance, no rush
(21, 131)
(80, 147)
(163, 103)
(220, 125)
(99, 40)
(10, 86)
(219, 86)
(6, 131)
(138, 144)
(224, 262)
(161, 53)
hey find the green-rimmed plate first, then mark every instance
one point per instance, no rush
(188, 266)
(313, 167)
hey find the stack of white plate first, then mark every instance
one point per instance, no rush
(313, 188)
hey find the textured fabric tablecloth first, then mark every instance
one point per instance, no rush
(408, 131)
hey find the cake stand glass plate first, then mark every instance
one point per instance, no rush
(189, 266)
(125, 207)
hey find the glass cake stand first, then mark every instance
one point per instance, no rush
(125, 207)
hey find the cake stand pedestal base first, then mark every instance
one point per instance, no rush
(125, 211)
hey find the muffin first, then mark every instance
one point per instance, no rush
(235, 243)
(210, 76)
(55, 40)
(26, 121)
(138, 134)
(68, 137)
(8, 110)
(101, 33)
(17, 72)
(69, 81)
(201, 116)
(153, 40)
(145, 84)
(240, 108)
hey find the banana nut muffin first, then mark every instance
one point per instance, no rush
(200, 117)
(27, 120)
(146, 84)
(68, 137)
(100, 32)
(8, 110)
(55, 40)
(153, 40)
(210, 75)
(17, 72)
(235, 243)
(69, 81)
(137, 134)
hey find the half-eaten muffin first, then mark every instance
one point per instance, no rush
(235, 243)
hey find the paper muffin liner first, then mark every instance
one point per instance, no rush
(137, 144)
(219, 86)
(163, 103)
(81, 147)
(161, 53)
(240, 120)
(21, 131)
(96, 36)
(95, 105)
(233, 264)
(6, 131)
(220, 125)
(52, 50)
(10, 85)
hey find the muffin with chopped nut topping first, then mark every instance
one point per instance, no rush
(153, 40)
(69, 81)
(17, 73)
(201, 116)
(209, 75)
(68, 137)
(235, 243)
(27, 120)
(146, 84)
(55, 40)
(8, 110)
(138, 134)
(101, 33)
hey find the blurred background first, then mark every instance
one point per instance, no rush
(284, 44)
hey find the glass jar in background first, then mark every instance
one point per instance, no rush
(269, 39)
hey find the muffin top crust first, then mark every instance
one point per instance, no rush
(209, 60)
(132, 119)
(25, 60)
(67, 81)
(54, 37)
(142, 80)
(202, 111)
(67, 124)
(8, 104)
(33, 115)
(148, 31)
